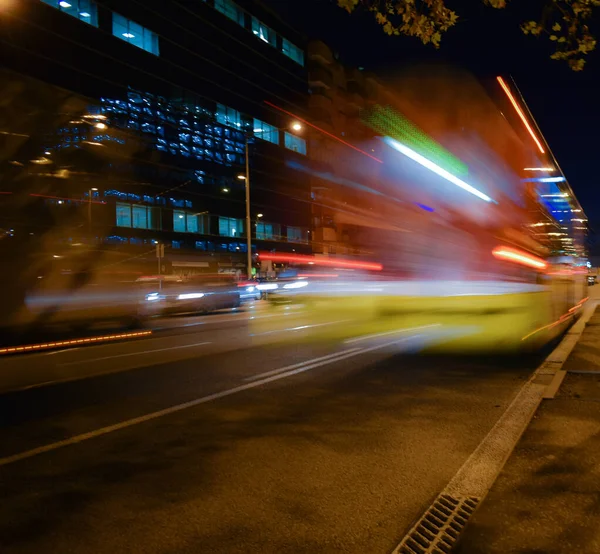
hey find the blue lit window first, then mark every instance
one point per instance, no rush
(296, 234)
(84, 10)
(263, 32)
(230, 227)
(297, 144)
(228, 116)
(266, 132)
(138, 217)
(292, 51)
(135, 34)
(123, 215)
(266, 231)
(231, 10)
(185, 222)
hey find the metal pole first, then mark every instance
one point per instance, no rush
(90, 212)
(248, 221)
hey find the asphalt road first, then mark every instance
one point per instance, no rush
(237, 433)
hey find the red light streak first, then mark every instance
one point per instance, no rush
(323, 131)
(518, 256)
(520, 112)
(44, 346)
(313, 260)
(69, 199)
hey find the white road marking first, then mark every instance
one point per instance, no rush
(138, 353)
(179, 407)
(330, 358)
(394, 332)
(299, 328)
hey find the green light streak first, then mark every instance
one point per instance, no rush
(388, 122)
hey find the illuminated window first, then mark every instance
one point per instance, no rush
(296, 234)
(136, 216)
(84, 10)
(267, 231)
(266, 132)
(135, 34)
(230, 227)
(231, 10)
(123, 215)
(297, 144)
(292, 51)
(263, 32)
(228, 116)
(186, 222)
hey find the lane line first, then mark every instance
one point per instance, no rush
(138, 353)
(174, 409)
(329, 357)
(394, 332)
(299, 328)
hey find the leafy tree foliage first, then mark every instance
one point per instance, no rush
(563, 22)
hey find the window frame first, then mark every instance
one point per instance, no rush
(260, 129)
(81, 7)
(232, 11)
(294, 53)
(120, 23)
(258, 27)
(290, 139)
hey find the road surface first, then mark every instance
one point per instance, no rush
(239, 432)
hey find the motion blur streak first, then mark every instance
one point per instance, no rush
(315, 260)
(572, 311)
(391, 123)
(518, 256)
(435, 168)
(322, 131)
(45, 346)
(520, 112)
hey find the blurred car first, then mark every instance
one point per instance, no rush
(591, 280)
(249, 291)
(170, 295)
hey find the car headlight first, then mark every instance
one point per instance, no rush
(296, 285)
(190, 296)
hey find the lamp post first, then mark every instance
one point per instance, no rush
(90, 192)
(296, 127)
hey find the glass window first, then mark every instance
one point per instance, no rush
(296, 234)
(231, 10)
(266, 132)
(123, 215)
(84, 10)
(297, 144)
(292, 51)
(135, 34)
(140, 217)
(228, 116)
(267, 231)
(185, 222)
(230, 227)
(178, 221)
(263, 32)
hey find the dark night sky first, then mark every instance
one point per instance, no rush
(565, 104)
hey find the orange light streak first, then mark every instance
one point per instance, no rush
(518, 256)
(520, 112)
(45, 346)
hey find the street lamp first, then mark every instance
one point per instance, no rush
(90, 192)
(296, 126)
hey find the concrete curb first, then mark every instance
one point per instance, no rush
(440, 526)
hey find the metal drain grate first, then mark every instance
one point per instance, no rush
(439, 527)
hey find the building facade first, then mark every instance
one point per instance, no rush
(137, 116)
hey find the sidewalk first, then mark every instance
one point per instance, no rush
(547, 498)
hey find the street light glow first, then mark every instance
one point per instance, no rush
(259, 215)
(241, 177)
(297, 126)
(100, 125)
